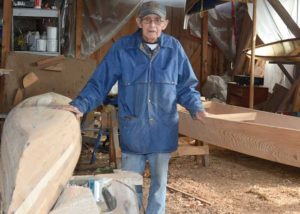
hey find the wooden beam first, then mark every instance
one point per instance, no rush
(79, 11)
(286, 100)
(204, 51)
(251, 88)
(294, 28)
(114, 147)
(7, 17)
(285, 16)
(187, 149)
(243, 43)
(286, 73)
(296, 100)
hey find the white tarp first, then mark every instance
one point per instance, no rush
(270, 28)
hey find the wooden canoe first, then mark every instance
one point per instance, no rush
(283, 51)
(261, 134)
(40, 147)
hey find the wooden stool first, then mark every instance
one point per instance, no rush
(195, 149)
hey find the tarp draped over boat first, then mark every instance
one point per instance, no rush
(271, 28)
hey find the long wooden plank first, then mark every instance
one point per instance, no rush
(204, 50)
(286, 73)
(252, 60)
(243, 43)
(79, 11)
(284, 104)
(285, 16)
(271, 136)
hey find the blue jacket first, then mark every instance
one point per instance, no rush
(148, 90)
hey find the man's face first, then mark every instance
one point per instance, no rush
(152, 26)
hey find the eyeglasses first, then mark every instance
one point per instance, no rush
(156, 21)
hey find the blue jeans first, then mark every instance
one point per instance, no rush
(159, 174)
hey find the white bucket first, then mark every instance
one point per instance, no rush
(41, 45)
(51, 33)
(52, 45)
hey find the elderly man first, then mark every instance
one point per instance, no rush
(153, 74)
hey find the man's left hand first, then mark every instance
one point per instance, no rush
(200, 115)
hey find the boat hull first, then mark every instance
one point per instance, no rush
(284, 51)
(267, 135)
(40, 147)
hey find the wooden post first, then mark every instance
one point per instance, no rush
(204, 40)
(286, 17)
(7, 16)
(79, 11)
(286, 73)
(251, 94)
(114, 148)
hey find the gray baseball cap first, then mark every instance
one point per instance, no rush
(152, 7)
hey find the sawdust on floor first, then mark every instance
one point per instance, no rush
(232, 183)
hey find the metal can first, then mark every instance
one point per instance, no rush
(38, 4)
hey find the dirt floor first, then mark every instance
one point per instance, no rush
(232, 183)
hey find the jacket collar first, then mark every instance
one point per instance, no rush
(164, 40)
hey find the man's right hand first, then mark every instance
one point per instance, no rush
(71, 108)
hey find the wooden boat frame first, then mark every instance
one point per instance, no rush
(261, 134)
(283, 51)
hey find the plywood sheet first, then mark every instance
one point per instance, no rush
(68, 82)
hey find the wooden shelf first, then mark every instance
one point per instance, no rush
(40, 53)
(36, 15)
(32, 12)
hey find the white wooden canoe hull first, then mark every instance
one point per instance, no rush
(39, 151)
(269, 136)
(284, 51)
